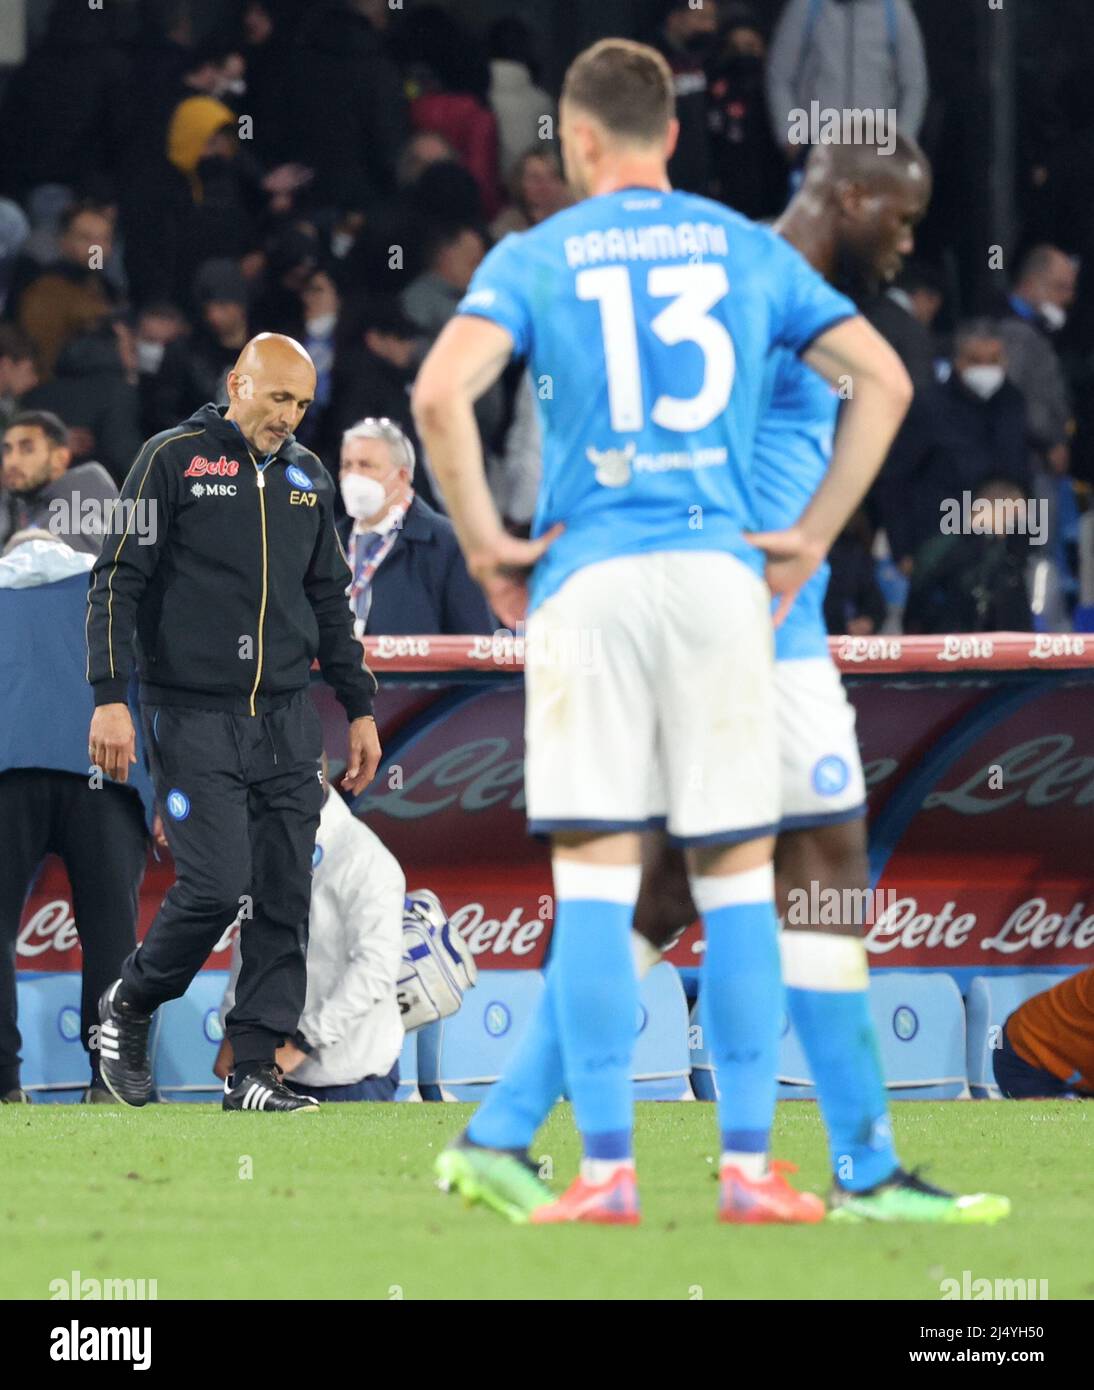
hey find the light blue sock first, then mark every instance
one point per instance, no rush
(740, 1002)
(596, 999)
(533, 1080)
(827, 995)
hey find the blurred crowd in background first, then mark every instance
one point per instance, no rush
(176, 176)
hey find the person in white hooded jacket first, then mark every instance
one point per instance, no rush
(351, 1033)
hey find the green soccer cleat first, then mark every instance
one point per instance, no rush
(502, 1181)
(906, 1197)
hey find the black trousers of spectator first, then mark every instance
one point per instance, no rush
(100, 835)
(240, 797)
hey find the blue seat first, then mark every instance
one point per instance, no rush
(462, 1055)
(55, 1065)
(407, 1088)
(920, 1021)
(187, 1039)
(991, 999)
(702, 1068)
(795, 1081)
(662, 1060)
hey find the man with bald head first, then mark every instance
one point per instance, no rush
(239, 584)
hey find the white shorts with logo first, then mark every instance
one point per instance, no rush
(821, 769)
(649, 701)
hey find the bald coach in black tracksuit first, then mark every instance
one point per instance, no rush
(244, 585)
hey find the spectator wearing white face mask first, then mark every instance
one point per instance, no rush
(958, 436)
(408, 573)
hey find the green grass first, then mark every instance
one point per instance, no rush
(342, 1205)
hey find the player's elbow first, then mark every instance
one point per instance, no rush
(433, 403)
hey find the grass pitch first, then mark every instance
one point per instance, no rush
(342, 1205)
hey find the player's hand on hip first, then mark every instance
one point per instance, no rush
(792, 558)
(364, 754)
(112, 741)
(502, 568)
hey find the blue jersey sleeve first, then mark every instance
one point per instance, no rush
(495, 293)
(806, 305)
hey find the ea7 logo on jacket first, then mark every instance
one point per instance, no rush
(215, 468)
(303, 492)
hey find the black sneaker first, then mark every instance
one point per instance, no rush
(16, 1097)
(264, 1090)
(123, 1050)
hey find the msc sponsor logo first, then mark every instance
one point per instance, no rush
(213, 489)
(211, 468)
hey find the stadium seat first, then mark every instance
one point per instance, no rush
(920, 1023)
(920, 1020)
(55, 1065)
(991, 999)
(795, 1082)
(407, 1088)
(662, 1061)
(186, 1041)
(463, 1054)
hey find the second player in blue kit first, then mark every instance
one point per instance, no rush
(647, 318)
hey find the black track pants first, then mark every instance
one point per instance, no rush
(100, 836)
(240, 798)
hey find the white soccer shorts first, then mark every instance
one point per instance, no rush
(820, 765)
(650, 701)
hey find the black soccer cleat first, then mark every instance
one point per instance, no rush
(264, 1090)
(123, 1050)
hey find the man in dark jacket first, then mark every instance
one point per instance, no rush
(958, 436)
(241, 586)
(345, 112)
(408, 573)
(42, 491)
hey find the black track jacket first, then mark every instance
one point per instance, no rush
(242, 584)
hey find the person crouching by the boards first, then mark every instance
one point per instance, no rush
(351, 1031)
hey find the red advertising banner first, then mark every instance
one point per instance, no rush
(979, 756)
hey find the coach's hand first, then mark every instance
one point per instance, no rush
(792, 558)
(364, 754)
(112, 742)
(502, 572)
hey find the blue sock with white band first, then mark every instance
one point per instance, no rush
(741, 1005)
(596, 1001)
(827, 990)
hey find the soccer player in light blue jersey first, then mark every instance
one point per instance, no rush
(853, 221)
(647, 318)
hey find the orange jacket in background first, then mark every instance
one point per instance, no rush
(1055, 1030)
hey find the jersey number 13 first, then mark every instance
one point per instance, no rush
(694, 290)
